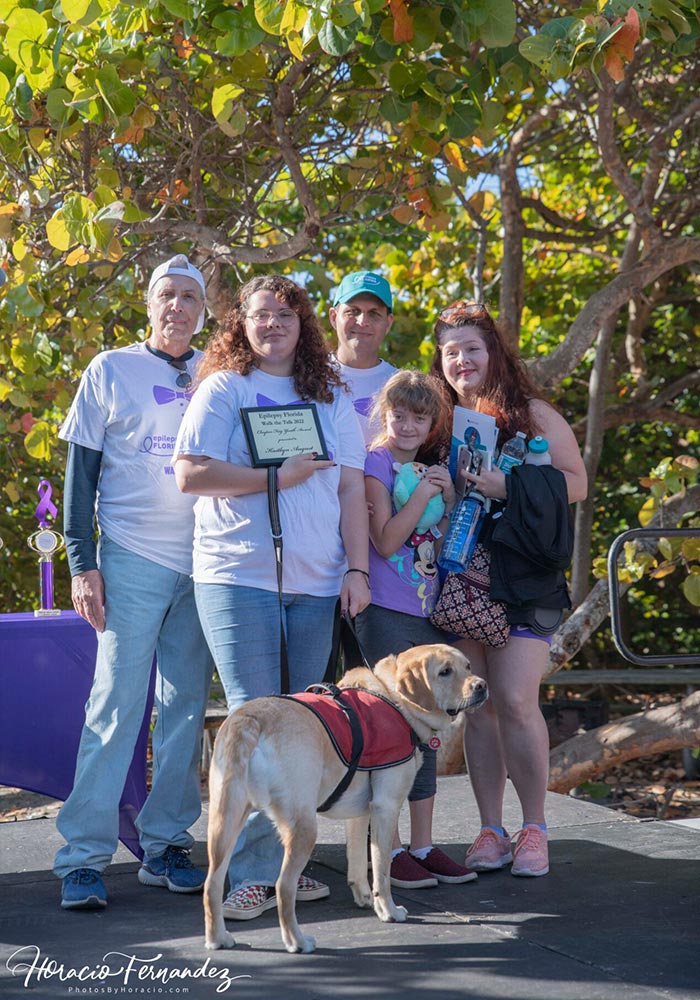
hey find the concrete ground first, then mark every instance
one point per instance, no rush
(618, 918)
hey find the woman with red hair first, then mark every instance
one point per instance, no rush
(508, 736)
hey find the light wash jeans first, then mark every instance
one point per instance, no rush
(148, 608)
(242, 628)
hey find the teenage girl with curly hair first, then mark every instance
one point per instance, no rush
(508, 736)
(229, 349)
(270, 351)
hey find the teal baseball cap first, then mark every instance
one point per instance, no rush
(363, 281)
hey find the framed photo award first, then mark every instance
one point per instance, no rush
(274, 433)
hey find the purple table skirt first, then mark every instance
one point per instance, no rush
(46, 671)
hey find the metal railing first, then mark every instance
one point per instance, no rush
(651, 659)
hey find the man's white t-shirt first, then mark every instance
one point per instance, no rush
(364, 384)
(232, 541)
(129, 407)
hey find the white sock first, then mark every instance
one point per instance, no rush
(422, 852)
(395, 853)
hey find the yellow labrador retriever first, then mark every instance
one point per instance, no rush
(275, 755)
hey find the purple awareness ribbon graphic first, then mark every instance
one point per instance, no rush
(46, 506)
(163, 395)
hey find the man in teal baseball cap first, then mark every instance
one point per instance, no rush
(361, 316)
(364, 281)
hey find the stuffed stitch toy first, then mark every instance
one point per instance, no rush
(408, 476)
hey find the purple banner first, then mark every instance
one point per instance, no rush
(47, 670)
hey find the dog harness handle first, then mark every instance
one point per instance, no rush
(358, 744)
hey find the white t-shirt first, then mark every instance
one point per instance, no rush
(364, 384)
(129, 407)
(232, 541)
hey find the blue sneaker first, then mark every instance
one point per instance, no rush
(173, 870)
(83, 889)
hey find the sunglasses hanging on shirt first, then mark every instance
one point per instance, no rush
(184, 379)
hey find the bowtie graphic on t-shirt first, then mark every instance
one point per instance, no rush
(266, 401)
(162, 395)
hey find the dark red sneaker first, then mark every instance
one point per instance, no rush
(445, 869)
(408, 873)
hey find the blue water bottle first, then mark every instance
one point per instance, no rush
(462, 533)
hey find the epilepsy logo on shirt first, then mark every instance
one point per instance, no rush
(158, 445)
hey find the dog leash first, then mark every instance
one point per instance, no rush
(276, 532)
(350, 624)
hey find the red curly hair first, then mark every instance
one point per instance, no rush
(228, 349)
(507, 388)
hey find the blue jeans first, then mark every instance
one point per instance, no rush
(148, 608)
(241, 625)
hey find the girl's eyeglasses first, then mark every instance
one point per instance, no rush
(263, 316)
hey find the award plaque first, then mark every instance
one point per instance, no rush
(45, 542)
(274, 433)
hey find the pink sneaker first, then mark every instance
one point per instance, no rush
(530, 856)
(489, 852)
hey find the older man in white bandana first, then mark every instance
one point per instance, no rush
(134, 588)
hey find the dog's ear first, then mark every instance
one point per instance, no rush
(412, 679)
(385, 669)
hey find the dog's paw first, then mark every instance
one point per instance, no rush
(361, 894)
(226, 940)
(388, 912)
(304, 946)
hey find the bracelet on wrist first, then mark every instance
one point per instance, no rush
(363, 571)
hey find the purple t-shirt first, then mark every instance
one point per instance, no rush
(408, 580)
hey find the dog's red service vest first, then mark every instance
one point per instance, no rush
(388, 738)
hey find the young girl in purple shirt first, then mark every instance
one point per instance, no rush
(411, 415)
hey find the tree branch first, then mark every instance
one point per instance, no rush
(481, 226)
(591, 754)
(208, 241)
(626, 284)
(636, 413)
(616, 169)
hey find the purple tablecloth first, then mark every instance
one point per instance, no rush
(46, 671)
